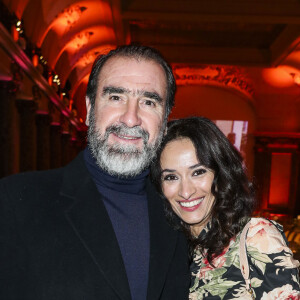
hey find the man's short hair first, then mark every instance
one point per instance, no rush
(138, 52)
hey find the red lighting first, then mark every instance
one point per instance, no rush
(35, 60)
(279, 77)
(297, 79)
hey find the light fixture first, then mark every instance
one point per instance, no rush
(296, 78)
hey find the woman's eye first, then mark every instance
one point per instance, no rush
(199, 172)
(169, 177)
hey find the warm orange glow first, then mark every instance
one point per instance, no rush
(70, 15)
(294, 57)
(279, 77)
(280, 179)
(83, 81)
(50, 80)
(87, 39)
(14, 33)
(70, 104)
(215, 75)
(83, 14)
(277, 215)
(35, 60)
(77, 17)
(80, 40)
(89, 57)
(297, 79)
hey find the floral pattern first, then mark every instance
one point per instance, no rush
(273, 271)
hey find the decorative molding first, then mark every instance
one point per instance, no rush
(292, 135)
(17, 54)
(81, 39)
(223, 76)
(278, 140)
(70, 16)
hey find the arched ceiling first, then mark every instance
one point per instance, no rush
(252, 35)
(69, 33)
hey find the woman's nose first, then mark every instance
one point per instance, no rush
(187, 189)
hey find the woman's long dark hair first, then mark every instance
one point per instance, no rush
(234, 196)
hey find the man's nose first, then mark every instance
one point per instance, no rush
(131, 115)
(187, 189)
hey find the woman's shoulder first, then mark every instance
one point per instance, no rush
(265, 235)
(261, 224)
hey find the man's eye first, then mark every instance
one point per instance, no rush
(149, 102)
(169, 177)
(199, 172)
(114, 98)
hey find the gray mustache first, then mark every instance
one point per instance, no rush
(124, 130)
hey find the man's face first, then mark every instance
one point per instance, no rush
(125, 126)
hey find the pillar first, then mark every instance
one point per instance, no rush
(27, 130)
(42, 141)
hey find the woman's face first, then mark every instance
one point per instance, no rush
(187, 184)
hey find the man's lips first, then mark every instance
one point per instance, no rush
(127, 137)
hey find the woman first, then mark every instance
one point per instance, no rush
(209, 197)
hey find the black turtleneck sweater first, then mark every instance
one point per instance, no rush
(126, 203)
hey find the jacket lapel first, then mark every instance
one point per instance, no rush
(88, 217)
(163, 241)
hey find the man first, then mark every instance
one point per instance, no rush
(95, 229)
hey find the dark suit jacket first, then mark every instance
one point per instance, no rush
(57, 241)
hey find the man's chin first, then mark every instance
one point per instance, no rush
(124, 165)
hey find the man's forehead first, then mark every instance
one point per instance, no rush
(115, 73)
(120, 62)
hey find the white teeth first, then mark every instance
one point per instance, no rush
(128, 137)
(191, 203)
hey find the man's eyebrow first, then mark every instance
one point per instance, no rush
(153, 95)
(113, 90)
(120, 90)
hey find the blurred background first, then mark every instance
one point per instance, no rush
(235, 61)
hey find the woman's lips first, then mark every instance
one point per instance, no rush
(191, 205)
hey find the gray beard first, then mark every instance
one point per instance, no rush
(118, 159)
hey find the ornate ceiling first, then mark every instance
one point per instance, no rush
(241, 39)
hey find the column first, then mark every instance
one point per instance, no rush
(55, 145)
(7, 132)
(27, 129)
(65, 148)
(42, 141)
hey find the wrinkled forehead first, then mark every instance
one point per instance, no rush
(126, 66)
(134, 77)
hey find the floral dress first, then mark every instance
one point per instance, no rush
(273, 271)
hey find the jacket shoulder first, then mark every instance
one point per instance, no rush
(38, 180)
(20, 181)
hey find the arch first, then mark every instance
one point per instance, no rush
(17, 6)
(64, 67)
(75, 18)
(217, 103)
(83, 42)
